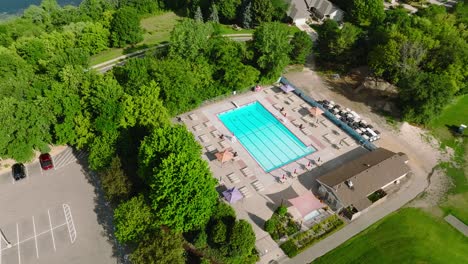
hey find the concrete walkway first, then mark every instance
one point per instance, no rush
(457, 224)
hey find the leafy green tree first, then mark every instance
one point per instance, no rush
(246, 15)
(364, 12)
(271, 44)
(182, 187)
(262, 11)
(198, 16)
(164, 247)
(218, 232)
(339, 45)
(102, 149)
(142, 6)
(145, 108)
(242, 239)
(92, 37)
(301, 47)
(36, 14)
(189, 39)
(280, 8)
(115, 183)
(25, 128)
(228, 9)
(125, 27)
(229, 71)
(15, 74)
(94, 9)
(134, 74)
(214, 17)
(132, 220)
(179, 84)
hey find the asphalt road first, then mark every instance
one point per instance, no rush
(54, 217)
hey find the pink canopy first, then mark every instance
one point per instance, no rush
(306, 203)
(315, 111)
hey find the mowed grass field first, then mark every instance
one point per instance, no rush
(157, 29)
(407, 236)
(455, 114)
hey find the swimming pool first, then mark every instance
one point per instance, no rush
(269, 142)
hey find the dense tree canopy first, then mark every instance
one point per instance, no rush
(132, 219)
(271, 42)
(364, 12)
(126, 28)
(171, 163)
(301, 47)
(163, 247)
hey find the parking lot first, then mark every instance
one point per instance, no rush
(42, 234)
(53, 217)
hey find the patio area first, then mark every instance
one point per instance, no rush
(263, 192)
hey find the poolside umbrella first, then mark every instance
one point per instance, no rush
(232, 195)
(224, 156)
(315, 111)
(287, 88)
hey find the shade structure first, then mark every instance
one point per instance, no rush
(315, 111)
(232, 195)
(287, 88)
(224, 156)
(306, 203)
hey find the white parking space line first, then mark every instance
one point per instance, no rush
(70, 224)
(35, 237)
(51, 230)
(17, 239)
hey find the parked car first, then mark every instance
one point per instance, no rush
(18, 171)
(46, 161)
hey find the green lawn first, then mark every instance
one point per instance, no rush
(408, 236)
(454, 115)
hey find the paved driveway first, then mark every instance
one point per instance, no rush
(53, 217)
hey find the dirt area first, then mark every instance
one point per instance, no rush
(353, 91)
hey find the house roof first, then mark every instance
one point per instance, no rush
(322, 7)
(298, 9)
(368, 173)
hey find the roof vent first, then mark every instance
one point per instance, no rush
(349, 183)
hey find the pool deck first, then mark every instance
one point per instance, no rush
(263, 192)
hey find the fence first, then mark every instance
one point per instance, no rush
(365, 143)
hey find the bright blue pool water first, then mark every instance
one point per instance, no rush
(269, 142)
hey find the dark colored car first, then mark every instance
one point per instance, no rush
(46, 161)
(19, 172)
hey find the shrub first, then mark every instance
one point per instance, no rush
(290, 248)
(270, 226)
(218, 232)
(201, 240)
(282, 210)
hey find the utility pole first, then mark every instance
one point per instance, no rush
(4, 238)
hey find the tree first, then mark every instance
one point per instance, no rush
(228, 9)
(189, 39)
(125, 27)
(271, 43)
(262, 11)
(301, 47)
(280, 8)
(242, 239)
(364, 12)
(142, 6)
(182, 187)
(145, 108)
(214, 14)
(25, 128)
(198, 15)
(164, 247)
(218, 232)
(132, 220)
(92, 37)
(246, 15)
(115, 183)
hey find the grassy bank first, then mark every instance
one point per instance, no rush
(444, 128)
(157, 30)
(408, 236)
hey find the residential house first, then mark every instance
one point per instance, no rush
(323, 9)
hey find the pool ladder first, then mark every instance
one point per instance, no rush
(234, 103)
